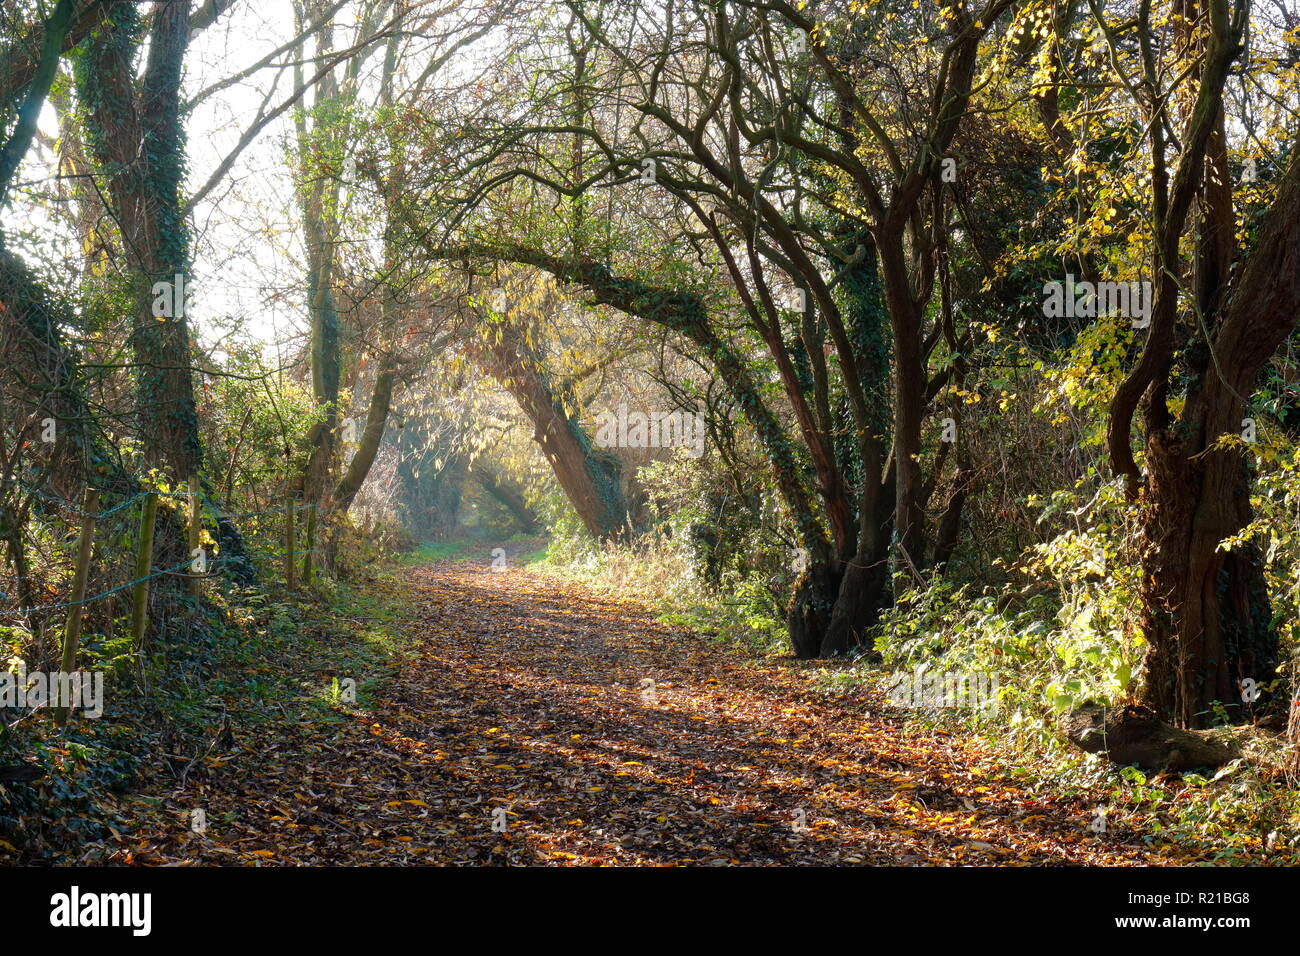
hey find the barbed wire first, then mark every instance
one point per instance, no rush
(22, 612)
(68, 506)
(73, 509)
(178, 570)
(255, 514)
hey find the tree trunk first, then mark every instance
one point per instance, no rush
(909, 403)
(318, 198)
(1135, 735)
(1205, 611)
(864, 586)
(15, 148)
(138, 143)
(31, 340)
(592, 480)
(364, 458)
(139, 146)
(1206, 615)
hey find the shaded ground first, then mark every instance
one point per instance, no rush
(527, 705)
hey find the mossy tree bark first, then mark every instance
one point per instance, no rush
(319, 176)
(137, 142)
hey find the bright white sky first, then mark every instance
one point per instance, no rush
(246, 243)
(246, 239)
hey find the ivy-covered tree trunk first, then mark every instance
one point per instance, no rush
(864, 584)
(321, 158)
(138, 144)
(326, 366)
(32, 344)
(15, 147)
(909, 402)
(318, 198)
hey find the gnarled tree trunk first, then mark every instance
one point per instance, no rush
(1205, 611)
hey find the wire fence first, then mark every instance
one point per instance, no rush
(22, 612)
(193, 567)
(64, 505)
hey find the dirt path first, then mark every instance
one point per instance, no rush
(527, 706)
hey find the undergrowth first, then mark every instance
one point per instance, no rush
(659, 572)
(250, 656)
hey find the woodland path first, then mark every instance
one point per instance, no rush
(522, 693)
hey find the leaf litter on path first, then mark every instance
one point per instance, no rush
(539, 722)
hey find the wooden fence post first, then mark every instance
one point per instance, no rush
(195, 532)
(81, 572)
(290, 561)
(143, 561)
(311, 546)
